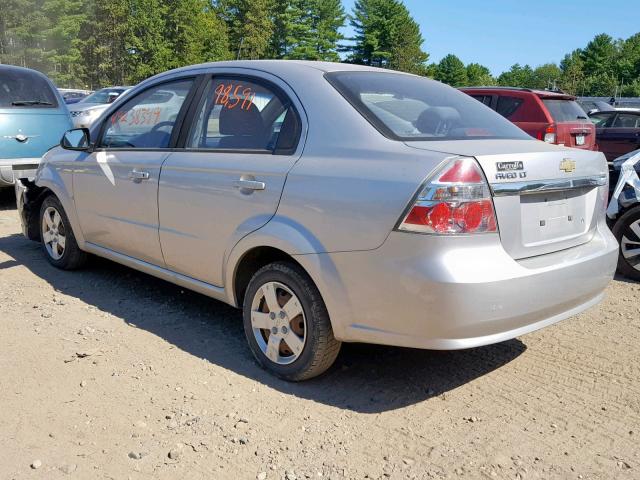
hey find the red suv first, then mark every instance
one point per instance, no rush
(549, 116)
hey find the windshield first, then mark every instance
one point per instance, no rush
(407, 107)
(106, 95)
(564, 110)
(22, 88)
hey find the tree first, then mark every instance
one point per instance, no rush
(386, 36)
(517, 76)
(328, 19)
(452, 71)
(195, 33)
(479, 75)
(546, 76)
(599, 55)
(572, 78)
(250, 25)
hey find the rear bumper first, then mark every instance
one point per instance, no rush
(7, 166)
(460, 292)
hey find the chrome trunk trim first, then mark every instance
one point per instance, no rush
(541, 186)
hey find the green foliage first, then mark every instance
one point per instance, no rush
(479, 75)
(452, 71)
(94, 43)
(386, 36)
(307, 29)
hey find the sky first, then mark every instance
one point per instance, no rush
(499, 33)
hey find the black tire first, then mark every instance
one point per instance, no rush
(320, 347)
(71, 256)
(630, 268)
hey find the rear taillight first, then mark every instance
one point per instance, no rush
(456, 200)
(549, 134)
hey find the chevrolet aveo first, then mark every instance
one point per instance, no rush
(332, 203)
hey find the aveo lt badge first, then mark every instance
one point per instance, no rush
(510, 170)
(567, 165)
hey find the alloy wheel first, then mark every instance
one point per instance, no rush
(630, 244)
(53, 233)
(278, 323)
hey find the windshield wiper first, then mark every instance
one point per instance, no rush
(582, 117)
(23, 103)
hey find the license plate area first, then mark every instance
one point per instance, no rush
(580, 140)
(553, 217)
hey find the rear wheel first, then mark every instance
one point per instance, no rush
(627, 232)
(287, 324)
(58, 241)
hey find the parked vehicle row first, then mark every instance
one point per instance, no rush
(71, 95)
(331, 203)
(552, 117)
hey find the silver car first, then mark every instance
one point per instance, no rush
(88, 110)
(332, 203)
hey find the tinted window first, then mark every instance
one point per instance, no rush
(148, 119)
(106, 95)
(601, 119)
(626, 120)
(239, 114)
(507, 106)
(486, 99)
(22, 88)
(407, 107)
(564, 110)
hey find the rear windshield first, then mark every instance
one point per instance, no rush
(407, 107)
(25, 89)
(564, 110)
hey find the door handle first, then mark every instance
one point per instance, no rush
(244, 184)
(138, 176)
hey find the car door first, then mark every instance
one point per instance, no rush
(116, 186)
(242, 140)
(623, 136)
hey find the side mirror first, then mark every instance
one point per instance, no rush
(76, 139)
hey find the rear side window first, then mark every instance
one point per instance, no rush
(25, 89)
(486, 99)
(564, 110)
(407, 107)
(601, 119)
(238, 113)
(626, 120)
(507, 106)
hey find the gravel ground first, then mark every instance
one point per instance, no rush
(108, 373)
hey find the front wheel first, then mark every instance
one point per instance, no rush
(627, 232)
(287, 324)
(58, 241)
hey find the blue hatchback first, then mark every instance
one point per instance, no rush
(33, 118)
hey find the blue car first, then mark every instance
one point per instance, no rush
(33, 118)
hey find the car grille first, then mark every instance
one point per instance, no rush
(75, 113)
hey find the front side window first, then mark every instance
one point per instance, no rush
(239, 114)
(407, 107)
(148, 119)
(25, 89)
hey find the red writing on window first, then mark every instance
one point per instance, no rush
(137, 116)
(234, 95)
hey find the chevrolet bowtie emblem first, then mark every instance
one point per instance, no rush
(567, 165)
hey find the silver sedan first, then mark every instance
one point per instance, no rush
(331, 203)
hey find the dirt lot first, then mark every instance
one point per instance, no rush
(110, 374)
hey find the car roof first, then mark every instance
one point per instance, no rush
(539, 93)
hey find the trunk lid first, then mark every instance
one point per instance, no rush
(547, 198)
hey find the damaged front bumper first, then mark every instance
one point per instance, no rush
(27, 195)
